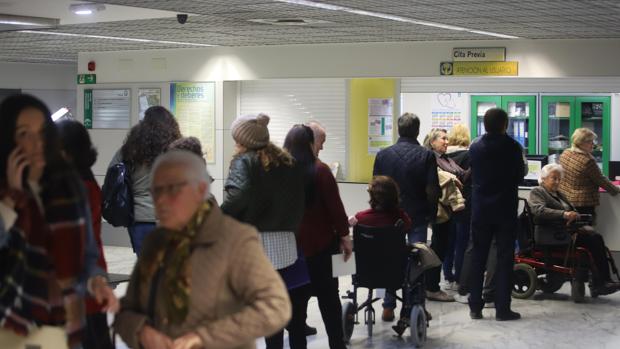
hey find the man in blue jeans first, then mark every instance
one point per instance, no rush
(414, 168)
(497, 169)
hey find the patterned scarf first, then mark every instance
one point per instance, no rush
(172, 257)
(45, 258)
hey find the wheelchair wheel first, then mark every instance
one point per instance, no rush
(551, 282)
(525, 278)
(348, 320)
(369, 317)
(417, 326)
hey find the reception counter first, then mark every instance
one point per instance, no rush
(355, 198)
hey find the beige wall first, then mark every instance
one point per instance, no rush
(537, 58)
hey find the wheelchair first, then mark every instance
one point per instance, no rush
(546, 268)
(384, 261)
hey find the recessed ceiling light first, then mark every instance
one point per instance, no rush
(86, 9)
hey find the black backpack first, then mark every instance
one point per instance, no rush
(117, 196)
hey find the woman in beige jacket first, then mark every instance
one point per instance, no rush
(202, 279)
(582, 176)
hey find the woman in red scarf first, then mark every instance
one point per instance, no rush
(47, 251)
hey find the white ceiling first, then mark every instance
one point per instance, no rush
(227, 23)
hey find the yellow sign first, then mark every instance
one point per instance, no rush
(486, 68)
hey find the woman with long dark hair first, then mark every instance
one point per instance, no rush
(46, 244)
(78, 149)
(143, 144)
(324, 229)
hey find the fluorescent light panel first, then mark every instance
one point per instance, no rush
(86, 9)
(115, 38)
(59, 113)
(326, 6)
(28, 21)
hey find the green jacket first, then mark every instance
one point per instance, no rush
(270, 200)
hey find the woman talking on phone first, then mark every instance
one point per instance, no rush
(47, 251)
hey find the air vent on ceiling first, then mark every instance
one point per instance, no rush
(289, 21)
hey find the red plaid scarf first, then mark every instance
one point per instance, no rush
(42, 262)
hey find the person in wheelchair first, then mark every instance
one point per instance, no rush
(385, 211)
(557, 222)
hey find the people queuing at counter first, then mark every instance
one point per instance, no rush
(211, 276)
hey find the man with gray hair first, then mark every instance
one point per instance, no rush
(414, 168)
(319, 136)
(202, 279)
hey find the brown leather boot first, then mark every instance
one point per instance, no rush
(388, 314)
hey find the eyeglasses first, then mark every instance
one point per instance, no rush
(167, 189)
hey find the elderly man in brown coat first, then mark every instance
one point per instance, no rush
(202, 280)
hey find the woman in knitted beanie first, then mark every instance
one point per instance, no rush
(265, 188)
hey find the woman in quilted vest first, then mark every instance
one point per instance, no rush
(582, 176)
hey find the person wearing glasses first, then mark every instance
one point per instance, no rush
(202, 279)
(582, 176)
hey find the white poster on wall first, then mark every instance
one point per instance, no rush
(380, 125)
(448, 109)
(148, 97)
(109, 108)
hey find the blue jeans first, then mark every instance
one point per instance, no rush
(448, 261)
(458, 243)
(137, 232)
(418, 233)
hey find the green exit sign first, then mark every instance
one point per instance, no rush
(86, 79)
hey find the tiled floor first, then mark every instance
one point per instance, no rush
(548, 322)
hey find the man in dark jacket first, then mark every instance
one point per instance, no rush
(497, 169)
(414, 168)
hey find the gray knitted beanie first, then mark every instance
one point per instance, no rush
(251, 131)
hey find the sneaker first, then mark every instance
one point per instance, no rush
(490, 304)
(310, 331)
(388, 314)
(463, 299)
(509, 316)
(439, 296)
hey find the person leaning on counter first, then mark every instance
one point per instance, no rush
(582, 176)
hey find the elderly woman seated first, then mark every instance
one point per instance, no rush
(202, 279)
(555, 218)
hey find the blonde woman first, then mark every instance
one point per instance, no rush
(582, 176)
(437, 142)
